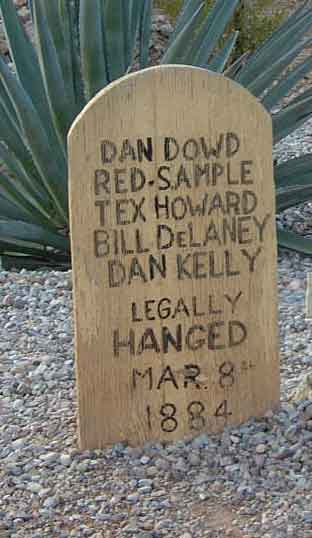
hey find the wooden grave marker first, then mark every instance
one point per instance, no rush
(174, 258)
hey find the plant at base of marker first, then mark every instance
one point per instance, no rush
(51, 82)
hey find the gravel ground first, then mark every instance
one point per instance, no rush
(252, 481)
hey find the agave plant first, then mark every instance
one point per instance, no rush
(50, 82)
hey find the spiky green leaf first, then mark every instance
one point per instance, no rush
(115, 21)
(34, 234)
(92, 43)
(188, 10)
(291, 117)
(11, 211)
(294, 195)
(212, 30)
(220, 60)
(24, 57)
(22, 181)
(282, 88)
(27, 67)
(52, 171)
(17, 196)
(176, 52)
(59, 93)
(293, 241)
(293, 171)
(135, 9)
(73, 36)
(273, 71)
(234, 69)
(145, 29)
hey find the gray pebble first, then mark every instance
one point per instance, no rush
(50, 457)
(133, 498)
(34, 487)
(65, 460)
(307, 413)
(51, 502)
(8, 300)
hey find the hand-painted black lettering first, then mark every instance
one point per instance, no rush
(226, 372)
(164, 183)
(135, 318)
(195, 412)
(137, 179)
(229, 177)
(169, 424)
(157, 266)
(164, 237)
(136, 271)
(122, 217)
(171, 149)
(127, 151)
(191, 373)
(214, 272)
(145, 150)
(167, 376)
(245, 172)
(209, 150)
(101, 182)
(228, 262)
(261, 225)
(108, 152)
(217, 171)
(148, 342)
(116, 273)
(138, 212)
(137, 374)
(178, 208)
(162, 209)
(183, 179)
(237, 333)
(222, 410)
(244, 232)
(212, 310)
(232, 145)
(181, 308)
(102, 205)
(169, 339)
(233, 300)
(128, 344)
(101, 243)
(192, 342)
(164, 309)
(251, 258)
(249, 202)
(149, 308)
(182, 272)
(202, 173)
(233, 202)
(214, 335)
(149, 417)
(191, 150)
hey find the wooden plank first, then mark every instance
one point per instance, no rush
(174, 257)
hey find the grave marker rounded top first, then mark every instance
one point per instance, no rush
(172, 211)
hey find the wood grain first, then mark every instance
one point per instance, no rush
(172, 210)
